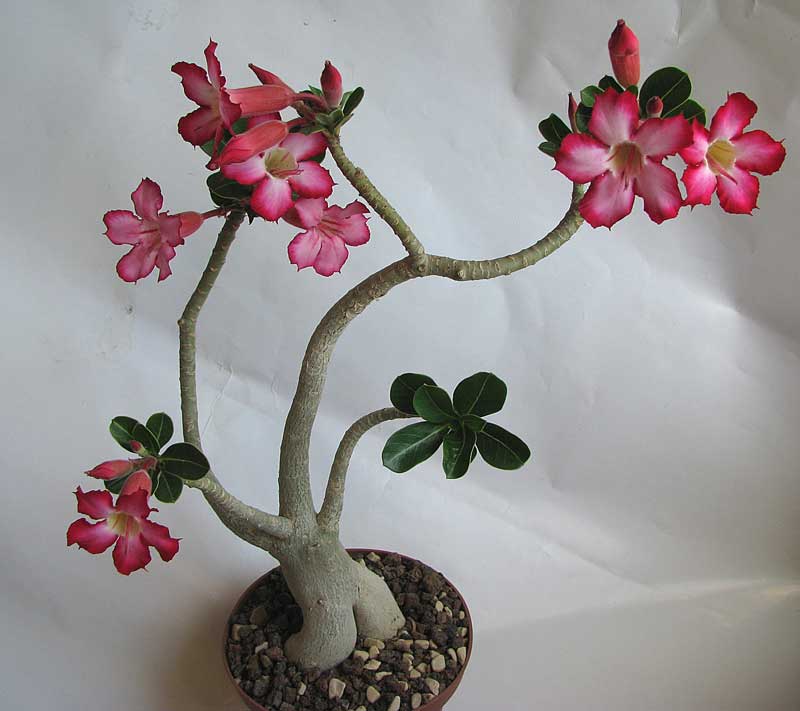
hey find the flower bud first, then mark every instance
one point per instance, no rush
(190, 223)
(137, 447)
(331, 81)
(623, 48)
(138, 480)
(111, 469)
(572, 110)
(654, 107)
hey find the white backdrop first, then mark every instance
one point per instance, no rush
(646, 558)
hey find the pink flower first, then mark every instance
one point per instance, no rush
(138, 481)
(262, 134)
(112, 469)
(221, 107)
(328, 231)
(623, 48)
(153, 234)
(125, 524)
(281, 170)
(623, 158)
(724, 158)
(331, 82)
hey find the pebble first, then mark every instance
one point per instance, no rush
(301, 688)
(395, 705)
(361, 561)
(403, 686)
(452, 654)
(372, 642)
(433, 685)
(439, 606)
(372, 665)
(239, 632)
(373, 694)
(414, 674)
(404, 645)
(462, 631)
(422, 667)
(258, 616)
(361, 655)
(408, 658)
(461, 615)
(261, 647)
(382, 675)
(416, 701)
(336, 688)
(373, 557)
(462, 654)
(438, 663)
(361, 708)
(374, 652)
(422, 644)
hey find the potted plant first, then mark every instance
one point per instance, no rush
(335, 628)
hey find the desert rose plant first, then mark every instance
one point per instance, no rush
(265, 166)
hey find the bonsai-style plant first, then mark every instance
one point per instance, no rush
(267, 167)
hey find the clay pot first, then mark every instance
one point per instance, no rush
(435, 704)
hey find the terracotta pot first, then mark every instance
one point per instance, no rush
(435, 704)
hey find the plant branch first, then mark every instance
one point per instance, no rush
(331, 511)
(249, 523)
(372, 195)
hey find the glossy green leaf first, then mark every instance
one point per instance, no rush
(226, 192)
(167, 487)
(691, 110)
(115, 485)
(125, 429)
(411, 445)
(588, 95)
(609, 81)
(671, 84)
(160, 424)
(582, 116)
(548, 148)
(480, 394)
(473, 422)
(433, 404)
(502, 449)
(185, 461)
(352, 101)
(403, 388)
(314, 90)
(553, 129)
(457, 452)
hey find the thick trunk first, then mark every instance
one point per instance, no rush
(340, 600)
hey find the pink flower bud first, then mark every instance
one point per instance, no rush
(137, 447)
(111, 469)
(572, 109)
(190, 223)
(139, 480)
(623, 48)
(654, 107)
(331, 81)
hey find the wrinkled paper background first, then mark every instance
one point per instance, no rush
(645, 560)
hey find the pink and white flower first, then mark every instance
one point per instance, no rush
(282, 170)
(153, 234)
(125, 524)
(329, 230)
(622, 158)
(221, 107)
(724, 158)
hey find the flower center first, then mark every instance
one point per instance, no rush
(721, 156)
(280, 163)
(123, 525)
(626, 160)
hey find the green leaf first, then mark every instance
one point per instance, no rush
(480, 394)
(314, 90)
(125, 429)
(553, 129)
(353, 101)
(457, 452)
(633, 89)
(548, 148)
(691, 110)
(502, 449)
(671, 84)
(208, 148)
(167, 487)
(411, 445)
(226, 192)
(115, 485)
(588, 95)
(403, 388)
(184, 460)
(433, 404)
(161, 426)
(239, 126)
(609, 81)
(582, 116)
(473, 422)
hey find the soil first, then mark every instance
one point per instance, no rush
(400, 674)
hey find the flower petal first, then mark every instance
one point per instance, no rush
(332, 256)
(614, 116)
(700, 184)
(312, 181)
(123, 227)
(696, 151)
(169, 229)
(304, 248)
(354, 230)
(134, 504)
(581, 158)
(607, 201)
(732, 117)
(354, 208)
(658, 187)
(195, 83)
(214, 69)
(658, 137)
(95, 504)
(263, 118)
(199, 127)
(271, 198)
(255, 100)
(138, 481)
(306, 213)
(137, 264)
(111, 469)
(253, 141)
(248, 172)
(738, 195)
(131, 553)
(757, 151)
(228, 110)
(92, 537)
(267, 77)
(147, 200)
(165, 254)
(303, 147)
(156, 535)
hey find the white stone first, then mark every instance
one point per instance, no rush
(336, 688)
(422, 667)
(439, 606)
(372, 665)
(395, 705)
(414, 674)
(361, 708)
(403, 685)
(438, 663)
(404, 645)
(462, 654)
(452, 654)
(374, 652)
(373, 694)
(261, 647)
(433, 685)
(361, 655)
(373, 558)
(416, 701)
(461, 615)
(382, 675)
(372, 642)
(422, 644)
(301, 688)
